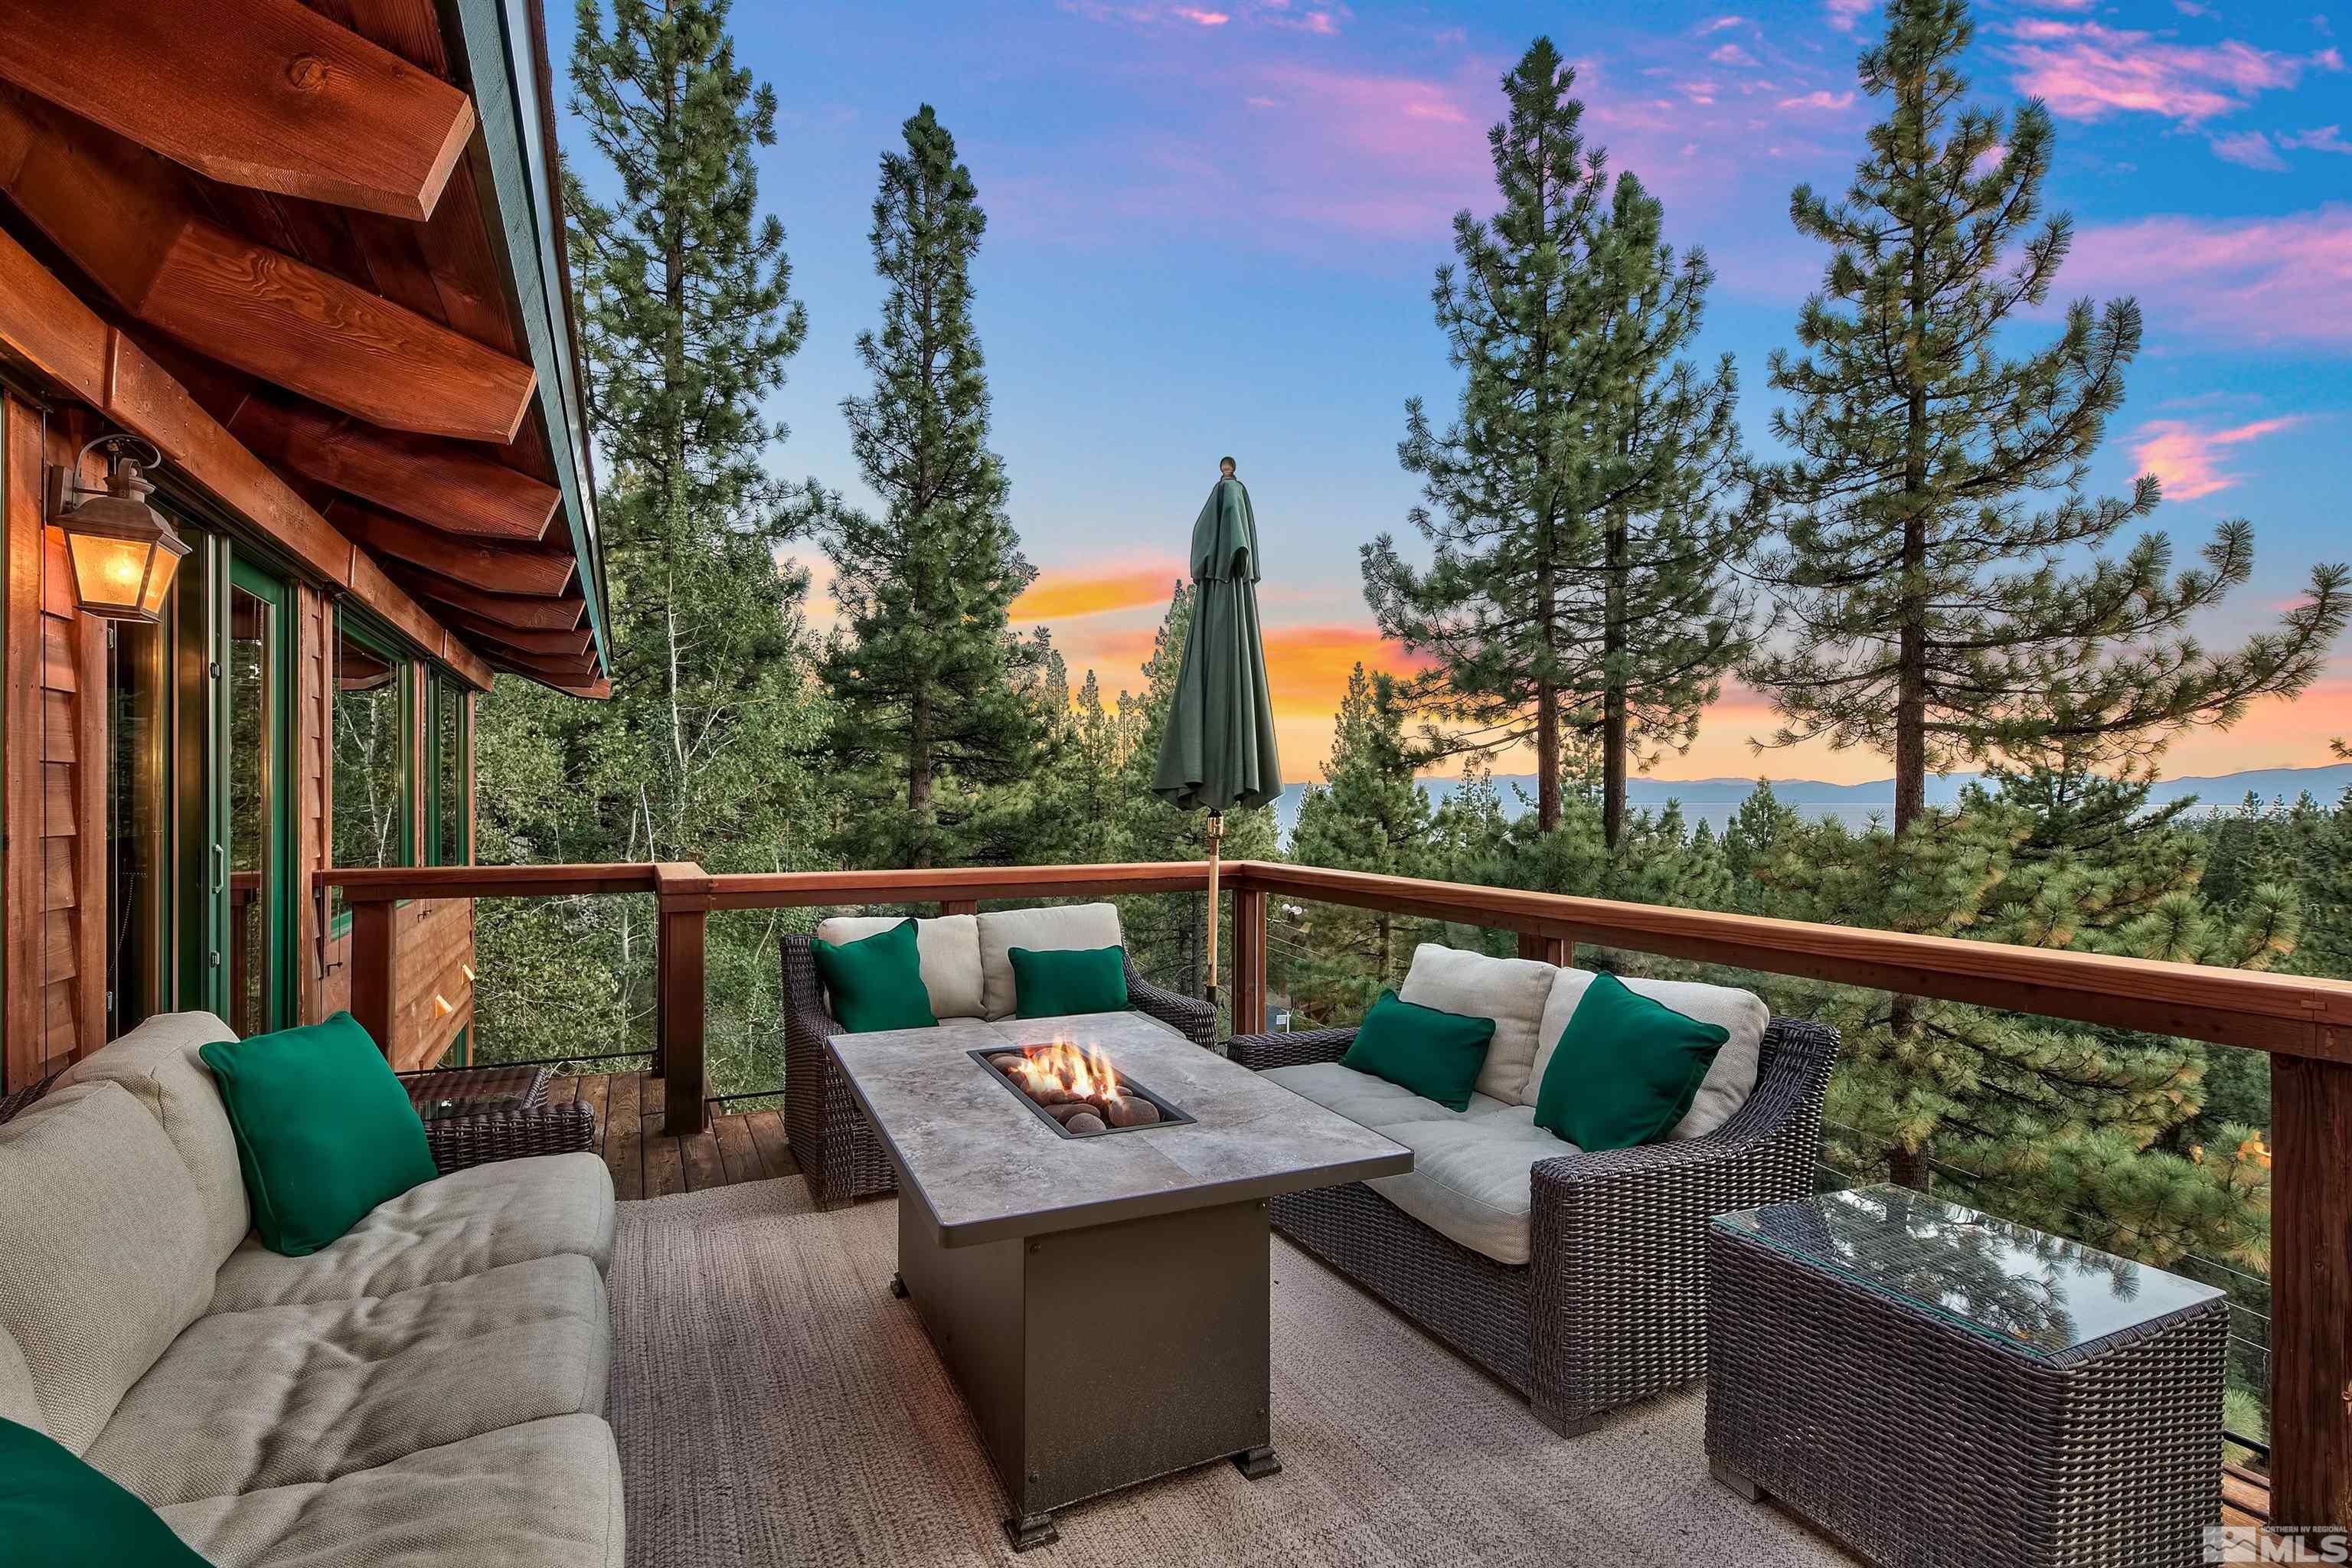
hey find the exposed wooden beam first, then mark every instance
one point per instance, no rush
(571, 644)
(458, 488)
(265, 93)
(543, 573)
(122, 214)
(519, 611)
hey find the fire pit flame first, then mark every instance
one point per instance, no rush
(1076, 1087)
(1064, 1070)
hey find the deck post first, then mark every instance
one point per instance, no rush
(375, 966)
(2311, 1284)
(683, 890)
(1249, 960)
(959, 906)
(1544, 948)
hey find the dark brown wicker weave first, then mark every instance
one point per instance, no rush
(829, 1136)
(1923, 1443)
(1611, 1306)
(21, 1098)
(447, 1091)
(459, 1141)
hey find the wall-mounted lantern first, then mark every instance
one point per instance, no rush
(122, 551)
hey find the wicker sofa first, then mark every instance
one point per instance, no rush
(429, 1388)
(965, 970)
(1577, 1278)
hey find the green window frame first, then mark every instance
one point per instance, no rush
(374, 648)
(449, 748)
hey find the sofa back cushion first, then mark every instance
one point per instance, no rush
(103, 1253)
(1039, 931)
(1511, 991)
(947, 950)
(18, 1403)
(157, 1063)
(1727, 1084)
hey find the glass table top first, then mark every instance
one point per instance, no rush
(2041, 1292)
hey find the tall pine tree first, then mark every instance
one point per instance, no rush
(686, 321)
(1935, 616)
(1506, 485)
(938, 702)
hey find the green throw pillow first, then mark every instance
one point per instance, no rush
(1625, 1070)
(1436, 1055)
(1050, 983)
(324, 1130)
(58, 1511)
(877, 982)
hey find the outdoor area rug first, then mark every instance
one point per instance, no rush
(775, 1405)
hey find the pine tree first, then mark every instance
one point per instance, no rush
(1655, 616)
(686, 321)
(938, 702)
(1368, 815)
(1935, 620)
(1505, 498)
(1935, 616)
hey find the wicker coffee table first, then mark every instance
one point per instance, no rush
(448, 1092)
(1938, 1387)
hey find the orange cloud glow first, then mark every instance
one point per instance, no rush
(1059, 595)
(2187, 461)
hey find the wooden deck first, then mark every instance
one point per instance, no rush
(741, 1146)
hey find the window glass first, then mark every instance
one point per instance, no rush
(448, 774)
(370, 784)
(138, 703)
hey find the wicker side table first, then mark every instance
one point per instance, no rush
(1941, 1389)
(470, 1091)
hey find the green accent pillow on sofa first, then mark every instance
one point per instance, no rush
(875, 982)
(324, 1130)
(1049, 982)
(60, 1511)
(1436, 1055)
(1625, 1070)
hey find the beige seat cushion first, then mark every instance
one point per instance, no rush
(157, 1063)
(103, 1256)
(1473, 1177)
(546, 1494)
(1511, 991)
(18, 1402)
(1727, 1084)
(511, 1211)
(946, 949)
(242, 1401)
(1041, 931)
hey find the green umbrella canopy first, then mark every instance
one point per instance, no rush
(1218, 749)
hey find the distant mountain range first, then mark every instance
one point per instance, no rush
(1716, 800)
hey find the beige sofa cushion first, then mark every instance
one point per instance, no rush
(947, 950)
(511, 1211)
(18, 1402)
(103, 1256)
(1511, 991)
(157, 1063)
(546, 1494)
(242, 1401)
(1041, 931)
(1728, 1082)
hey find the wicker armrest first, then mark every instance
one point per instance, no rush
(460, 1141)
(1259, 1052)
(1190, 1016)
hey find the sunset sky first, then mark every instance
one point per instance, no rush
(1212, 227)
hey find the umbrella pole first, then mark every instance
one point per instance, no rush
(1216, 846)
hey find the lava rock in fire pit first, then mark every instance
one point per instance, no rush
(1131, 1111)
(1008, 1062)
(1067, 1109)
(1085, 1121)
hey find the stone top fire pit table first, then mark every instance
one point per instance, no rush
(1102, 1301)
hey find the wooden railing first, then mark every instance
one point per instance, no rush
(2305, 1024)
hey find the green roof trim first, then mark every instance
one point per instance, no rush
(500, 57)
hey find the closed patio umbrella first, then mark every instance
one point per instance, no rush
(1217, 751)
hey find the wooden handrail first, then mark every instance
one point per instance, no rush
(2304, 1021)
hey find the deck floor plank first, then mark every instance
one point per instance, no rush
(767, 1127)
(624, 1144)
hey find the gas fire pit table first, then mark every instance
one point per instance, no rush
(1099, 1298)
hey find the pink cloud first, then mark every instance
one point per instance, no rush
(1730, 55)
(2321, 139)
(2250, 148)
(1201, 18)
(1846, 15)
(2187, 460)
(1819, 100)
(2285, 280)
(1718, 24)
(2086, 71)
